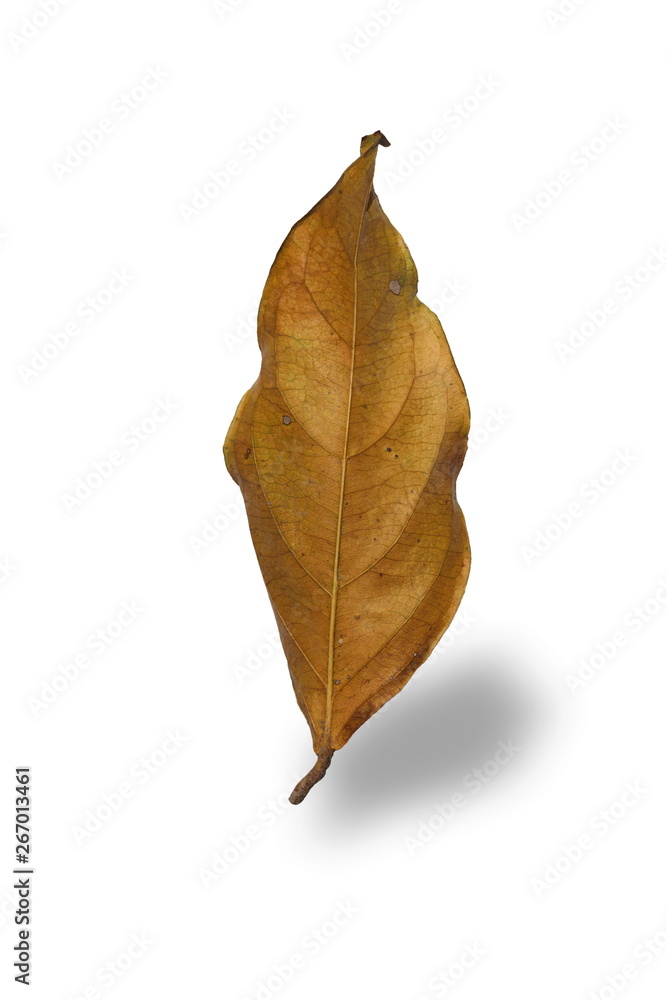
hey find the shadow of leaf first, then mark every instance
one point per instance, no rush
(422, 743)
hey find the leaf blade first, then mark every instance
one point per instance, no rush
(357, 429)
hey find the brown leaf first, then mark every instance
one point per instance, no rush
(347, 450)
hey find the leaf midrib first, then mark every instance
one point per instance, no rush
(339, 523)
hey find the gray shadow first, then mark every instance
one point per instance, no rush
(417, 749)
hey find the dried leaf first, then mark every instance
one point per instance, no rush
(347, 450)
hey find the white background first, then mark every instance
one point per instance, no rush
(164, 532)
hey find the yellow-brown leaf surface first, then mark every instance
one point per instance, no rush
(347, 450)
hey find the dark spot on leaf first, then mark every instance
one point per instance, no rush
(388, 449)
(247, 454)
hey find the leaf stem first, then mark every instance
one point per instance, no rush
(316, 773)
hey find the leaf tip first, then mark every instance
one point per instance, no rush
(375, 139)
